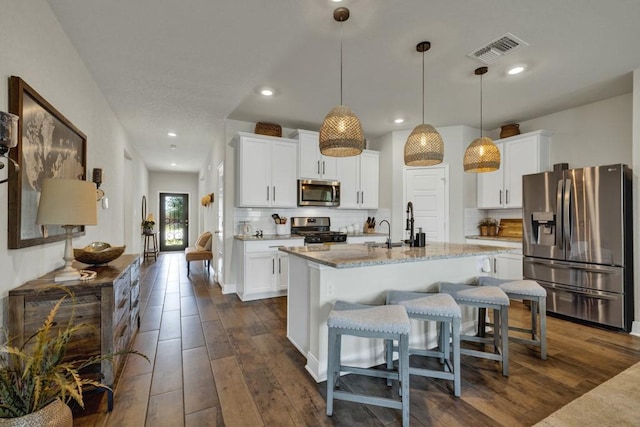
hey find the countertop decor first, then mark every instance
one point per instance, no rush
(98, 253)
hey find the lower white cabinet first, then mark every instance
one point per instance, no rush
(264, 270)
(501, 266)
(366, 238)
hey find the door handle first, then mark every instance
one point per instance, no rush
(323, 167)
(362, 197)
(506, 197)
(318, 167)
(499, 197)
(273, 266)
(267, 193)
(279, 265)
(495, 266)
(274, 193)
(357, 197)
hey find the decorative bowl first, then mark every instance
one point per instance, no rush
(98, 253)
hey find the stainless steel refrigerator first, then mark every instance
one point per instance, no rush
(578, 242)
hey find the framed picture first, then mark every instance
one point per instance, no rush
(49, 146)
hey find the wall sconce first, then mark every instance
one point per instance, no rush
(8, 138)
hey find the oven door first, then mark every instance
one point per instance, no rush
(318, 193)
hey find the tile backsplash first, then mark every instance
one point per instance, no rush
(472, 216)
(260, 218)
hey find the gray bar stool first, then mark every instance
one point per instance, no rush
(485, 297)
(388, 322)
(525, 290)
(437, 308)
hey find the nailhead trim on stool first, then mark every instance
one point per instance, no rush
(437, 308)
(484, 297)
(385, 322)
(525, 290)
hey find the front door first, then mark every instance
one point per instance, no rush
(174, 221)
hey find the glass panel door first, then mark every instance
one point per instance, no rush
(174, 221)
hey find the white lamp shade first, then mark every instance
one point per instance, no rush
(67, 202)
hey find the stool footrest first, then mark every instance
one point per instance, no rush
(370, 372)
(369, 400)
(477, 339)
(431, 373)
(529, 341)
(481, 354)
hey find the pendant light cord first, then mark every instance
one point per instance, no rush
(422, 87)
(341, 63)
(480, 105)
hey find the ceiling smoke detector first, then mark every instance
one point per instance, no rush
(498, 48)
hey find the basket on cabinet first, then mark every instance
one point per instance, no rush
(270, 129)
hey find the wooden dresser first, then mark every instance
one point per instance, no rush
(110, 303)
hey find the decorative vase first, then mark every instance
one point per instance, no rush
(484, 230)
(493, 230)
(147, 230)
(55, 414)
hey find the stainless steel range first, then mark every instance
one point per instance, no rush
(316, 229)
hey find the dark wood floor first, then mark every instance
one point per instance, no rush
(218, 361)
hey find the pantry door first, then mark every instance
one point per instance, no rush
(427, 188)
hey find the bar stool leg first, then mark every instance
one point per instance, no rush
(388, 349)
(455, 330)
(403, 360)
(333, 343)
(542, 306)
(504, 336)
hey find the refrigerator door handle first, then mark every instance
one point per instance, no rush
(566, 218)
(559, 225)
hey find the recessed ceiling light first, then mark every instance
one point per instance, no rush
(515, 70)
(398, 120)
(266, 92)
(173, 164)
(172, 134)
(172, 146)
(336, 1)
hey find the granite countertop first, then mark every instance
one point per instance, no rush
(253, 238)
(350, 256)
(503, 238)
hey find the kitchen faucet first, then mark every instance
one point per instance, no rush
(410, 222)
(388, 238)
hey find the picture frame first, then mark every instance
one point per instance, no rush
(49, 146)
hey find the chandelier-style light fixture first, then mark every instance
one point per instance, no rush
(482, 155)
(341, 132)
(424, 147)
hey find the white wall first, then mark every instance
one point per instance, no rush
(177, 182)
(35, 48)
(590, 135)
(635, 125)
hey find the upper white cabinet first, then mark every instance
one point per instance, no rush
(311, 163)
(265, 171)
(520, 155)
(358, 176)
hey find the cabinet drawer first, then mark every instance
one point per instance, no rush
(271, 245)
(85, 342)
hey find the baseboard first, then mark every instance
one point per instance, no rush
(635, 328)
(227, 288)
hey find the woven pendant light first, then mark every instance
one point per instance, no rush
(341, 132)
(482, 155)
(424, 147)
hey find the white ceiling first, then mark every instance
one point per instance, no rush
(186, 65)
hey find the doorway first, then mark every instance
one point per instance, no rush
(427, 188)
(174, 221)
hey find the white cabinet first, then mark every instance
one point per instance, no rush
(501, 266)
(265, 171)
(311, 163)
(264, 270)
(366, 238)
(358, 176)
(520, 155)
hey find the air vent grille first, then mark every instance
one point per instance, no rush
(496, 49)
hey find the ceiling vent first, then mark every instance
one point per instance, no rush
(498, 48)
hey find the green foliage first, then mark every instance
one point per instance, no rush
(30, 380)
(488, 222)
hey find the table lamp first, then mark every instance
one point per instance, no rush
(69, 203)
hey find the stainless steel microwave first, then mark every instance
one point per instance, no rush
(318, 193)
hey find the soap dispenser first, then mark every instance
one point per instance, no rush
(420, 240)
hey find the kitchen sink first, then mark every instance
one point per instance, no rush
(384, 245)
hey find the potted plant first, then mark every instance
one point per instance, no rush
(147, 224)
(36, 381)
(493, 227)
(483, 225)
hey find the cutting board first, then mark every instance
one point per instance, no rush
(510, 227)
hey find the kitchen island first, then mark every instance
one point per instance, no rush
(322, 274)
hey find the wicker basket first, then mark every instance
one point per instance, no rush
(511, 129)
(270, 129)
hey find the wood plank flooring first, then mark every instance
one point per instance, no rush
(216, 361)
